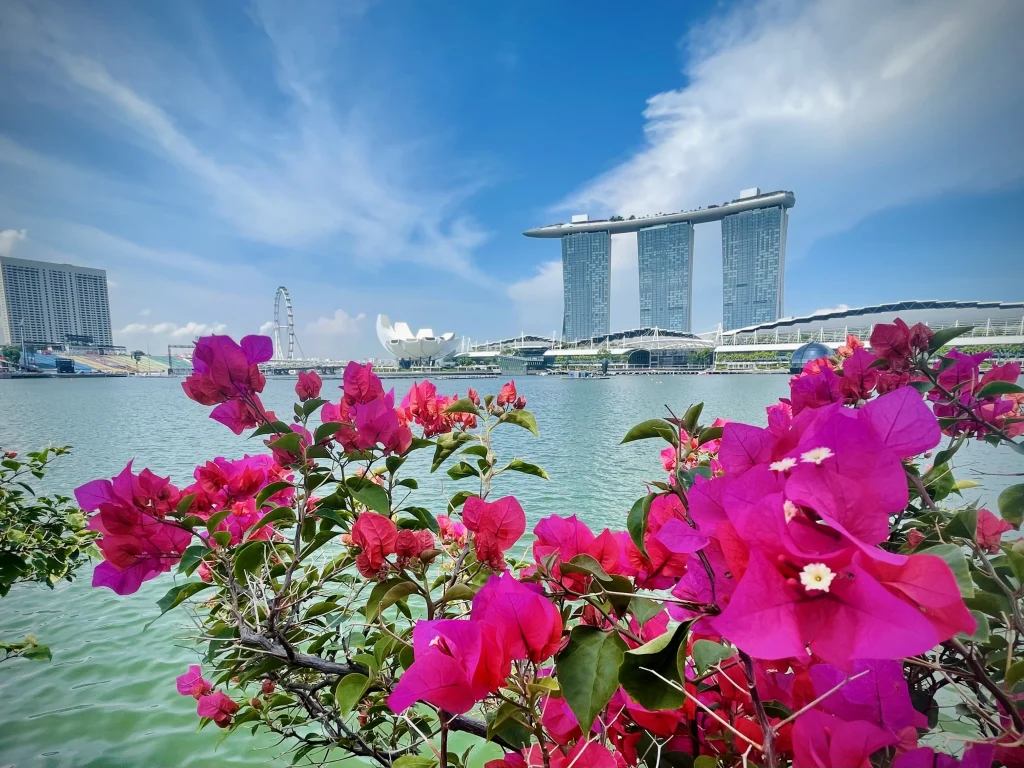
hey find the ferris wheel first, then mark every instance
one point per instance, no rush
(280, 352)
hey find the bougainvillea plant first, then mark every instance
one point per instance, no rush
(810, 593)
(43, 539)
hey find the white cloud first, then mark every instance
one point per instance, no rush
(855, 105)
(827, 310)
(266, 328)
(9, 238)
(188, 330)
(315, 176)
(339, 324)
(145, 312)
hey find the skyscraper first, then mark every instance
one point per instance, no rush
(586, 284)
(44, 302)
(753, 266)
(665, 255)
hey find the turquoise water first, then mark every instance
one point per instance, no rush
(108, 697)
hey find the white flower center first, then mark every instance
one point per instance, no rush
(817, 455)
(790, 510)
(816, 576)
(783, 464)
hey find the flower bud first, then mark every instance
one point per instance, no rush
(255, 703)
(267, 687)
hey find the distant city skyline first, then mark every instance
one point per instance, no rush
(386, 157)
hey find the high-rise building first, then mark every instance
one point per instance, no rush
(753, 266)
(586, 284)
(753, 255)
(44, 303)
(665, 256)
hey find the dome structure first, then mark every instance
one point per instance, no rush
(806, 353)
(399, 340)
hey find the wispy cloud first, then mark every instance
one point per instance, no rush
(10, 238)
(173, 330)
(855, 105)
(316, 177)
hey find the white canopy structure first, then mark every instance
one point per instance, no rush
(399, 340)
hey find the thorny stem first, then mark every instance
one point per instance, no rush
(982, 677)
(771, 760)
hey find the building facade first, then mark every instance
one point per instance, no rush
(45, 303)
(753, 266)
(586, 284)
(665, 259)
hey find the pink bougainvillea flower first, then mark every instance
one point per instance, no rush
(308, 386)
(239, 415)
(975, 756)
(990, 530)
(880, 696)
(451, 531)
(361, 384)
(424, 406)
(217, 706)
(510, 760)
(136, 543)
(824, 741)
(891, 342)
(569, 537)
(192, 683)
(859, 378)
(496, 527)
(409, 544)
(223, 369)
(377, 424)
(529, 625)
(815, 390)
(507, 394)
(559, 721)
(457, 663)
(376, 536)
(852, 344)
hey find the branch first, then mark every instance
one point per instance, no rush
(982, 677)
(771, 760)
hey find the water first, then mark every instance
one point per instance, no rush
(108, 698)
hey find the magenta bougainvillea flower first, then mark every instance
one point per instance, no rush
(530, 626)
(825, 741)
(308, 386)
(990, 530)
(458, 662)
(496, 526)
(376, 536)
(192, 683)
(217, 706)
(223, 369)
(975, 756)
(568, 537)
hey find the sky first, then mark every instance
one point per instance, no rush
(385, 157)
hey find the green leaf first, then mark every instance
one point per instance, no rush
(644, 609)
(618, 584)
(311, 405)
(273, 516)
(705, 761)
(939, 481)
(636, 521)
(1014, 674)
(414, 761)
(923, 387)
(269, 491)
(462, 470)
(185, 504)
(401, 590)
(707, 654)
(964, 524)
(223, 538)
(1011, 505)
(249, 558)
(458, 499)
(37, 652)
(477, 450)
(586, 565)
(191, 558)
(691, 416)
(588, 671)
(981, 634)
(178, 594)
(446, 445)
(291, 443)
(216, 519)
(652, 428)
(505, 721)
(946, 335)
(518, 465)
(349, 691)
(997, 388)
(643, 668)
(459, 592)
(954, 557)
(523, 419)
(325, 430)
(372, 497)
(421, 518)
(708, 434)
(465, 405)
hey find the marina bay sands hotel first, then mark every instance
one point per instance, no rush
(753, 264)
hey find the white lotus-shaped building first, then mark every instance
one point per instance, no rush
(399, 340)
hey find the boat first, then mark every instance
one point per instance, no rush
(585, 375)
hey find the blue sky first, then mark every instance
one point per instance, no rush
(385, 157)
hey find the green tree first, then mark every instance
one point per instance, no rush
(43, 539)
(11, 353)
